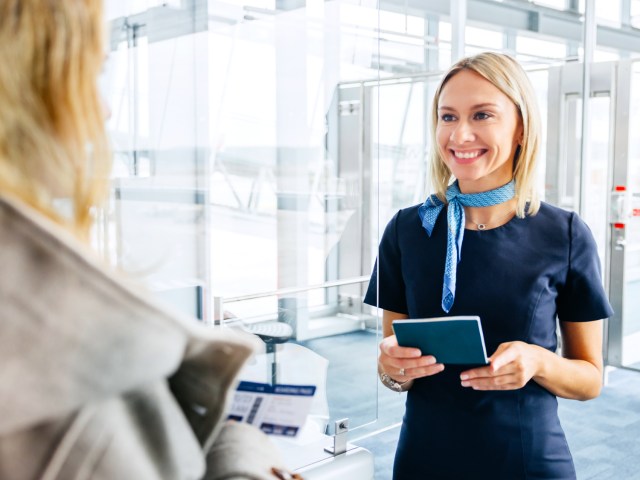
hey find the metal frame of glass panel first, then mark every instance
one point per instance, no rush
(566, 182)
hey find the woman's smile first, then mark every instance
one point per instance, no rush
(467, 156)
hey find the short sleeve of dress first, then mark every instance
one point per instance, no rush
(583, 298)
(386, 280)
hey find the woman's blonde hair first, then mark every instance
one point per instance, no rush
(52, 127)
(509, 77)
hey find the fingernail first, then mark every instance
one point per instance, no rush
(464, 384)
(464, 376)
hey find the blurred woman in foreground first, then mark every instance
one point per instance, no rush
(96, 381)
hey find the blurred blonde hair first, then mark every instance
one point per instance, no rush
(509, 77)
(52, 127)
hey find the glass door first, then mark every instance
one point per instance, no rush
(624, 341)
(599, 179)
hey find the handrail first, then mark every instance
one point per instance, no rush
(290, 290)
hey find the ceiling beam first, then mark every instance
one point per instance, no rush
(523, 16)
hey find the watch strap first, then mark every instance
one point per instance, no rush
(394, 385)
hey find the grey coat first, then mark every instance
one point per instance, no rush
(98, 382)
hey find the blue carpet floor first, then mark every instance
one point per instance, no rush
(604, 434)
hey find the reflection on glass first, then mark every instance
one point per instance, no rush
(557, 4)
(609, 11)
(540, 80)
(239, 170)
(287, 201)
(596, 160)
(402, 110)
(631, 307)
(569, 175)
(483, 39)
(157, 164)
(124, 8)
(635, 13)
(533, 48)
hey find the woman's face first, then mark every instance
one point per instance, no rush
(478, 131)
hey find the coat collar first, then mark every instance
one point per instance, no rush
(73, 332)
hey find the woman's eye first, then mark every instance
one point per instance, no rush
(447, 117)
(481, 116)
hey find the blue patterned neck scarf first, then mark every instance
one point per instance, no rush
(432, 207)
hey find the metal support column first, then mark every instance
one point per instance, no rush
(458, 13)
(589, 42)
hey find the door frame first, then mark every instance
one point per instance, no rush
(612, 79)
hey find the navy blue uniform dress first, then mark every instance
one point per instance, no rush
(518, 278)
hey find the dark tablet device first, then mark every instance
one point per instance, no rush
(452, 340)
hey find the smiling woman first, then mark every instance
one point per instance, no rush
(497, 93)
(478, 134)
(498, 421)
(477, 138)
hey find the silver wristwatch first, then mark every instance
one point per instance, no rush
(389, 382)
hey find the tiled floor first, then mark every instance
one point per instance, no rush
(604, 434)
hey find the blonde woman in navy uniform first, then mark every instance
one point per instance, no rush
(483, 244)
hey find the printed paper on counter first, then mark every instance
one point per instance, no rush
(274, 409)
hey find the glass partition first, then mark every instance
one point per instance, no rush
(240, 196)
(287, 197)
(402, 107)
(631, 272)
(155, 227)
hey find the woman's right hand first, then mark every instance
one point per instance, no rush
(405, 363)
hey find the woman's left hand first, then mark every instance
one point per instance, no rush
(512, 365)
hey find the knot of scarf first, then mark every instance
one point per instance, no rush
(457, 200)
